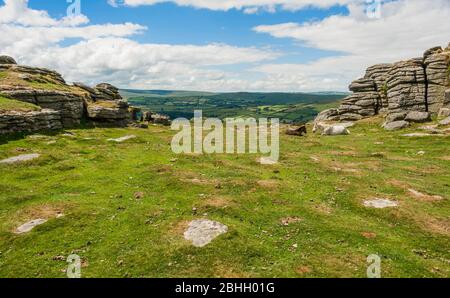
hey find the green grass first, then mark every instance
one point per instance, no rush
(7, 104)
(3, 75)
(49, 86)
(93, 183)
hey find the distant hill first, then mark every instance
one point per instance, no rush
(289, 107)
(129, 93)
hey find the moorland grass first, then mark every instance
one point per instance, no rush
(320, 181)
(7, 104)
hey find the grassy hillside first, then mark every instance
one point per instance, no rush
(127, 205)
(290, 107)
(7, 104)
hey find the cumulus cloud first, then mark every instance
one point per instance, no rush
(107, 53)
(406, 28)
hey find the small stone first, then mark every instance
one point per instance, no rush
(201, 232)
(446, 121)
(20, 158)
(27, 227)
(396, 125)
(7, 60)
(443, 113)
(380, 203)
(267, 161)
(419, 117)
(122, 139)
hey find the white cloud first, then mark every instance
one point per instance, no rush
(407, 28)
(249, 6)
(107, 52)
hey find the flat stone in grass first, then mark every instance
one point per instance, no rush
(380, 203)
(122, 139)
(20, 158)
(27, 227)
(267, 161)
(421, 134)
(202, 231)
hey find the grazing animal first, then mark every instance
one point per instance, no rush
(321, 127)
(297, 131)
(335, 130)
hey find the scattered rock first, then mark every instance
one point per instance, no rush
(446, 121)
(20, 158)
(396, 125)
(122, 139)
(444, 112)
(7, 60)
(380, 203)
(418, 117)
(201, 232)
(27, 227)
(267, 161)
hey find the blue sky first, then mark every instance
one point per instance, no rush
(172, 24)
(220, 45)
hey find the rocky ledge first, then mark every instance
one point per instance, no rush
(63, 105)
(403, 92)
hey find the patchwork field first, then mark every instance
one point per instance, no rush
(123, 207)
(288, 107)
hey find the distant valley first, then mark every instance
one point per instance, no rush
(289, 107)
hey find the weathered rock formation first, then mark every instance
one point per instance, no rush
(409, 91)
(63, 105)
(13, 121)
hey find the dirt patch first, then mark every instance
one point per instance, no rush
(324, 209)
(223, 270)
(178, 228)
(398, 183)
(424, 197)
(343, 153)
(218, 202)
(34, 216)
(369, 235)
(415, 193)
(290, 220)
(438, 226)
(269, 184)
(194, 178)
(303, 270)
(43, 211)
(423, 170)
